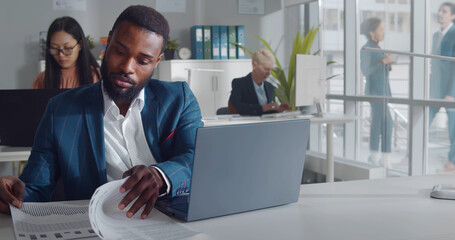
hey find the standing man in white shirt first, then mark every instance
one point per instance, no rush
(442, 78)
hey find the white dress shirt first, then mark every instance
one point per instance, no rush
(441, 33)
(124, 139)
(446, 29)
(260, 92)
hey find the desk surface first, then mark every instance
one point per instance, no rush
(393, 208)
(9, 154)
(235, 119)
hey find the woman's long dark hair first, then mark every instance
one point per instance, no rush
(86, 63)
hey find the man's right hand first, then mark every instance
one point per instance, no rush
(272, 106)
(12, 191)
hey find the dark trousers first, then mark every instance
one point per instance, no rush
(381, 127)
(451, 116)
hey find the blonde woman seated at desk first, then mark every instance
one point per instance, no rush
(69, 62)
(252, 94)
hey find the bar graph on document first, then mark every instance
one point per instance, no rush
(35, 221)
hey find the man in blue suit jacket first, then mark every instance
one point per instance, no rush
(442, 79)
(252, 94)
(126, 123)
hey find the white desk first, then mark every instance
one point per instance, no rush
(8, 154)
(14, 154)
(329, 119)
(11, 154)
(392, 208)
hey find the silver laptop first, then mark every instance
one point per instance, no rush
(239, 168)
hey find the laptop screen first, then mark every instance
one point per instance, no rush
(245, 167)
(21, 111)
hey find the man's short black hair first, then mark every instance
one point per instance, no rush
(147, 18)
(451, 6)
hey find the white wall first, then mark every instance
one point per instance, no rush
(22, 20)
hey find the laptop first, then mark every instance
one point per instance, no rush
(239, 168)
(21, 111)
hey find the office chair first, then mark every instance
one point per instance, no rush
(231, 108)
(222, 111)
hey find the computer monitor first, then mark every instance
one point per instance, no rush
(22, 110)
(310, 80)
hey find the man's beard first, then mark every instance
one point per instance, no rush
(113, 93)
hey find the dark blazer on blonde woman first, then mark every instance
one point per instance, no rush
(244, 98)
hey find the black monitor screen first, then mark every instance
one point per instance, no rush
(21, 111)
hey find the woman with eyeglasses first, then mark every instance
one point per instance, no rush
(69, 62)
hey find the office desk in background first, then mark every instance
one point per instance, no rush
(14, 154)
(329, 119)
(392, 209)
(11, 154)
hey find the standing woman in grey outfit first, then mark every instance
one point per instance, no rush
(375, 67)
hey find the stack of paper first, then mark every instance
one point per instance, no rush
(101, 217)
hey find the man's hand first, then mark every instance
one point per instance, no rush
(12, 191)
(145, 183)
(449, 98)
(272, 106)
(283, 107)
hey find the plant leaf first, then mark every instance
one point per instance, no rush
(278, 74)
(333, 76)
(243, 47)
(281, 96)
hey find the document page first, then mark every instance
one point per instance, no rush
(102, 217)
(111, 223)
(51, 220)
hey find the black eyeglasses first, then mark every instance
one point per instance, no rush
(65, 51)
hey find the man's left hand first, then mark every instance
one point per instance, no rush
(145, 184)
(449, 98)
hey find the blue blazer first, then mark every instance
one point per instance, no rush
(443, 71)
(244, 98)
(69, 142)
(377, 75)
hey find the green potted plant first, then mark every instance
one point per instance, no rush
(90, 42)
(285, 90)
(171, 46)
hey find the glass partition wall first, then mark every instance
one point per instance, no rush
(383, 125)
(393, 68)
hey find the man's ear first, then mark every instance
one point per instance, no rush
(158, 59)
(109, 38)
